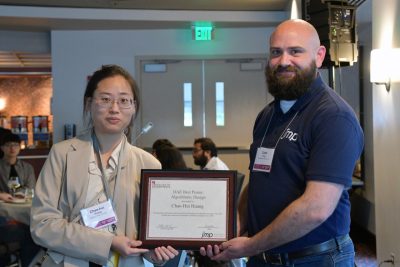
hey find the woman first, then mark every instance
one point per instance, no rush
(94, 172)
(170, 158)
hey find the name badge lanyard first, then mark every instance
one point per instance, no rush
(96, 147)
(284, 130)
(264, 156)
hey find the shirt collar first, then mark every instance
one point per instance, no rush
(316, 86)
(112, 162)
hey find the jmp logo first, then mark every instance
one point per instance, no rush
(206, 235)
(289, 134)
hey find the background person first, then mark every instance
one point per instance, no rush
(205, 155)
(85, 172)
(170, 158)
(168, 154)
(11, 166)
(159, 143)
(305, 146)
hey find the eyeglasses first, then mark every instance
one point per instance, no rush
(196, 150)
(8, 145)
(107, 102)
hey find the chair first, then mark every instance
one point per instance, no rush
(238, 185)
(10, 253)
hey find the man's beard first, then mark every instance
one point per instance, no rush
(289, 88)
(201, 161)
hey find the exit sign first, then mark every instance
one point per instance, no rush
(203, 33)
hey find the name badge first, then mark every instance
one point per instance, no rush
(263, 160)
(99, 216)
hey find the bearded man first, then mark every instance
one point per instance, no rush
(305, 146)
(205, 155)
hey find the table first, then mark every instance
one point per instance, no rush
(18, 211)
(356, 182)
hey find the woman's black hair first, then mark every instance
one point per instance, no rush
(170, 158)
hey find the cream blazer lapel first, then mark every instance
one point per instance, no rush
(77, 176)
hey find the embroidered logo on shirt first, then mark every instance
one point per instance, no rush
(290, 135)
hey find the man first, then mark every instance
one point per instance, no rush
(305, 146)
(205, 155)
(13, 232)
(10, 166)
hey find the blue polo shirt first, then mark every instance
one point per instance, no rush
(320, 139)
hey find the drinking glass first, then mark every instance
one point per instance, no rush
(29, 194)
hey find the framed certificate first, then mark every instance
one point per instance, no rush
(187, 209)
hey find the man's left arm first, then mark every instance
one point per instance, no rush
(301, 217)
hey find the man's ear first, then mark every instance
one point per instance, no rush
(320, 56)
(207, 153)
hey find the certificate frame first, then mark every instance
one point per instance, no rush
(152, 180)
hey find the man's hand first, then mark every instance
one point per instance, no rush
(232, 249)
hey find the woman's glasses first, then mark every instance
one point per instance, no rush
(107, 102)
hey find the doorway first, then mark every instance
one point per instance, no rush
(187, 99)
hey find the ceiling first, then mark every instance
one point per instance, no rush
(238, 5)
(47, 15)
(24, 60)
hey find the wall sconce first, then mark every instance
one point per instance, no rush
(384, 66)
(2, 103)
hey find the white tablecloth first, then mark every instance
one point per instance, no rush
(18, 211)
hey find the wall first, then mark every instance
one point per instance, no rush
(76, 54)
(386, 142)
(363, 200)
(20, 41)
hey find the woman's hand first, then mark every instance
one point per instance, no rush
(127, 247)
(160, 255)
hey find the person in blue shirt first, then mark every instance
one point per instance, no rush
(305, 146)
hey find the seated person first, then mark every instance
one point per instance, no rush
(10, 166)
(159, 143)
(205, 155)
(170, 158)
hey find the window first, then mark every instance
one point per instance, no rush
(219, 102)
(187, 105)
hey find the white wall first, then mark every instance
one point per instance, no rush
(363, 200)
(76, 54)
(386, 142)
(34, 42)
